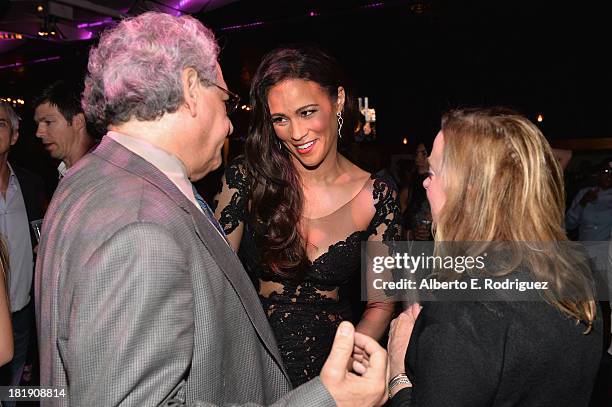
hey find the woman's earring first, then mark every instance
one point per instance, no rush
(280, 145)
(340, 123)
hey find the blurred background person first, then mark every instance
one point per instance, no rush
(22, 201)
(62, 127)
(416, 217)
(591, 210)
(365, 131)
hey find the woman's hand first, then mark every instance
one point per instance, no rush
(399, 336)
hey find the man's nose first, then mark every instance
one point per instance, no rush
(40, 132)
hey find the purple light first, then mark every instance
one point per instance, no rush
(179, 7)
(94, 24)
(313, 13)
(84, 35)
(36, 61)
(241, 26)
(15, 65)
(374, 5)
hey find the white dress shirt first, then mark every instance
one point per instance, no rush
(15, 227)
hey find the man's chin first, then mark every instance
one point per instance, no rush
(213, 165)
(50, 148)
(216, 164)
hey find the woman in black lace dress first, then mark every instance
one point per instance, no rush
(297, 211)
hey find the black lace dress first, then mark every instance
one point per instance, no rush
(304, 316)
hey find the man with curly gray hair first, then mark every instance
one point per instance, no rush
(140, 300)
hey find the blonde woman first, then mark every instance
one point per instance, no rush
(6, 330)
(494, 178)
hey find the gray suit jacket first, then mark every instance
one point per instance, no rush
(139, 300)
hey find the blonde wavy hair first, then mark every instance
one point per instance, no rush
(503, 184)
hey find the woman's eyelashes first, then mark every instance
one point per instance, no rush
(279, 120)
(282, 120)
(308, 112)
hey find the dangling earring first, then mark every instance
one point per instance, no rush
(280, 145)
(340, 123)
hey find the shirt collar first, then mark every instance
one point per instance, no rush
(62, 169)
(167, 163)
(12, 175)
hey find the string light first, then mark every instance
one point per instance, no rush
(373, 5)
(405, 141)
(10, 36)
(540, 118)
(242, 26)
(13, 101)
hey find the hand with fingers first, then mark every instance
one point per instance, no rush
(399, 337)
(365, 383)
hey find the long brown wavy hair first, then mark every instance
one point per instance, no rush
(502, 183)
(275, 194)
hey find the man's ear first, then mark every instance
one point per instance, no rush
(190, 81)
(14, 137)
(340, 100)
(78, 121)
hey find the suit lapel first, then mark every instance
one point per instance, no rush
(228, 261)
(224, 256)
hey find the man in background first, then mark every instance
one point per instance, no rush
(62, 127)
(21, 202)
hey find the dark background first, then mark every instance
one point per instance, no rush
(413, 59)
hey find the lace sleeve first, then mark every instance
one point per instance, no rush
(383, 227)
(385, 224)
(231, 201)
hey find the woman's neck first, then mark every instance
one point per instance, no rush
(326, 172)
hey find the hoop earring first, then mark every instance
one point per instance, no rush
(340, 123)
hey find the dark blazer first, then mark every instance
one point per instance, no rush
(33, 191)
(139, 299)
(499, 354)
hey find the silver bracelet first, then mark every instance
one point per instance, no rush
(397, 380)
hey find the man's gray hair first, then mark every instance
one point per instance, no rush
(135, 71)
(12, 116)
